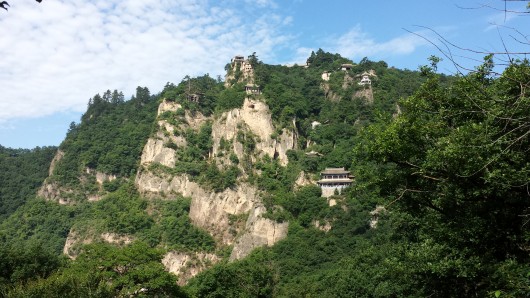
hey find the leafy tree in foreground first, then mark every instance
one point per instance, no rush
(460, 165)
(107, 271)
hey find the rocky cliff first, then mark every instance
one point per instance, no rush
(188, 264)
(259, 231)
(52, 190)
(240, 70)
(252, 120)
(75, 239)
(233, 216)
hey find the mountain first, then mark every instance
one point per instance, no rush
(209, 189)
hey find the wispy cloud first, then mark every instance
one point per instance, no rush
(262, 3)
(57, 54)
(357, 43)
(499, 19)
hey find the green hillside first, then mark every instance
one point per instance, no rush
(439, 206)
(21, 174)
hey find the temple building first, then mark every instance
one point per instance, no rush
(252, 89)
(334, 179)
(346, 67)
(238, 58)
(365, 79)
(194, 97)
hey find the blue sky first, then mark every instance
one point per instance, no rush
(57, 54)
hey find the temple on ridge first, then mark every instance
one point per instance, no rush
(332, 179)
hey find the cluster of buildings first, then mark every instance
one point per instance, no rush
(332, 180)
(364, 77)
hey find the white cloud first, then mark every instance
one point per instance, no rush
(357, 44)
(58, 54)
(262, 3)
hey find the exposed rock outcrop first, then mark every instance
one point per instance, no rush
(254, 117)
(213, 211)
(167, 105)
(52, 190)
(324, 226)
(303, 180)
(114, 238)
(259, 231)
(75, 240)
(155, 151)
(330, 95)
(365, 93)
(208, 210)
(245, 70)
(71, 246)
(348, 81)
(187, 265)
(58, 156)
(102, 177)
(376, 213)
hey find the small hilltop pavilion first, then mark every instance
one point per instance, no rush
(252, 89)
(332, 179)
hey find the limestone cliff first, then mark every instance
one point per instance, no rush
(254, 118)
(75, 239)
(259, 231)
(365, 93)
(209, 210)
(52, 190)
(240, 70)
(363, 90)
(215, 211)
(187, 265)
(58, 156)
(303, 179)
(155, 151)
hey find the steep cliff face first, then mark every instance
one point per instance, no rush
(208, 210)
(303, 179)
(254, 121)
(240, 71)
(52, 190)
(259, 231)
(366, 93)
(58, 156)
(75, 239)
(233, 216)
(155, 151)
(215, 211)
(187, 265)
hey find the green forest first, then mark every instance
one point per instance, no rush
(439, 206)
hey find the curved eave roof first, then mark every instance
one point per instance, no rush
(344, 180)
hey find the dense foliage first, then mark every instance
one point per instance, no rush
(452, 171)
(211, 94)
(39, 223)
(104, 271)
(439, 208)
(460, 167)
(110, 137)
(21, 174)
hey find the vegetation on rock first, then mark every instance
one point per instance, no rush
(451, 169)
